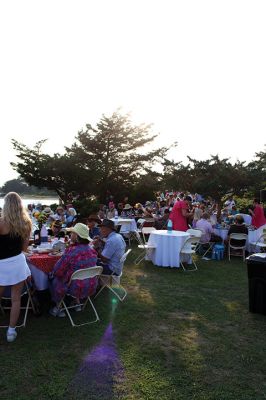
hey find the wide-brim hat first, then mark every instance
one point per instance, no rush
(95, 218)
(108, 223)
(81, 230)
(127, 207)
(57, 224)
(47, 211)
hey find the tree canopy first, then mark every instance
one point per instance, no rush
(109, 158)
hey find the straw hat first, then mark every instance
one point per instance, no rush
(81, 230)
(127, 207)
(48, 211)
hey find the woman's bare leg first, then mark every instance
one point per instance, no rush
(16, 300)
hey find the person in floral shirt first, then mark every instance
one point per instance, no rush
(79, 255)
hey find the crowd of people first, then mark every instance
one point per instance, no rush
(95, 241)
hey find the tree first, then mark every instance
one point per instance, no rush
(57, 173)
(257, 169)
(109, 158)
(215, 177)
(110, 153)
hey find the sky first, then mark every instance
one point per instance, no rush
(195, 69)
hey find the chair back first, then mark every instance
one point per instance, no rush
(195, 232)
(86, 273)
(146, 230)
(238, 236)
(262, 238)
(124, 256)
(190, 243)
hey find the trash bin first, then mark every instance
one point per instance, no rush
(256, 265)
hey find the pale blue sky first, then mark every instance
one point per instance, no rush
(196, 69)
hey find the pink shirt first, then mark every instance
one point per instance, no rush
(176, 216)
(258, 219)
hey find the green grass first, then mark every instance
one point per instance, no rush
(179, 336)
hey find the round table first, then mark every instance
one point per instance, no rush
(168, 246)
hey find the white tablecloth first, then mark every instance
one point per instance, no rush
(40, 278)
(127, 224)
(168, 246)
(253, 236)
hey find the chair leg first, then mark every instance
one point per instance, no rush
(140, 258)
(66, 309)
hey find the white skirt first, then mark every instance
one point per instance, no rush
(13, 270)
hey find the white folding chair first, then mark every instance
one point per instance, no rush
(145, 247)
(189, 248)
(113, 281)
(195, 233)
(29, 305)
(82, 274)
(146, 231)
(260, 244)
(237, 250)
(207, 245)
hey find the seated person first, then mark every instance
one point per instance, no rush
(206, 227)
(238, 227)
(60, 215)
(93, 222)
(111, 213)
(113, 250)
(56, 230)
(49, 214)
(77, 256)
(161, 223)
(71, 216)
(128, 211)
(102, 211)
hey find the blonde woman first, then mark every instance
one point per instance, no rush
(15, 230)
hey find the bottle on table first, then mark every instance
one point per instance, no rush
(169, 226)
(37, 237)
(44, 234)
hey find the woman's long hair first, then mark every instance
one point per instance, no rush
(16, 217)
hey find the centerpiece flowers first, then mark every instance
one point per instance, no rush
(40, 218)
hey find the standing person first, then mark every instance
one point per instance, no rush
(180, 213)
(258, 218)
(15, 230)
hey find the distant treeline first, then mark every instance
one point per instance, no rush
(19, 186)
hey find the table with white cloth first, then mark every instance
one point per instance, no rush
(253, 236)
(168, 246)
(40, 265)
(127, 224)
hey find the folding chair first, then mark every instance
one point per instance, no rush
(260, 243)
(82, 274)
(112, 281)
(195, 233)
(239, 249)
(207, 245)
(29, 305)
(145, 247)
(146, 231)
(189, 248)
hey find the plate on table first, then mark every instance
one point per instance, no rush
(58, 253)
(43, 251)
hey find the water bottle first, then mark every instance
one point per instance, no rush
(116, 214)
(169, 226)
(37, 237)
(44, 234)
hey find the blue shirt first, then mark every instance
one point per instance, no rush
(114, 249)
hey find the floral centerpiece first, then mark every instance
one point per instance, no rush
(41, 218)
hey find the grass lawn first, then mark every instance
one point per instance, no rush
(176, 336)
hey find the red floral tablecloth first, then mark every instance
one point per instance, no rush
(44, 262)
